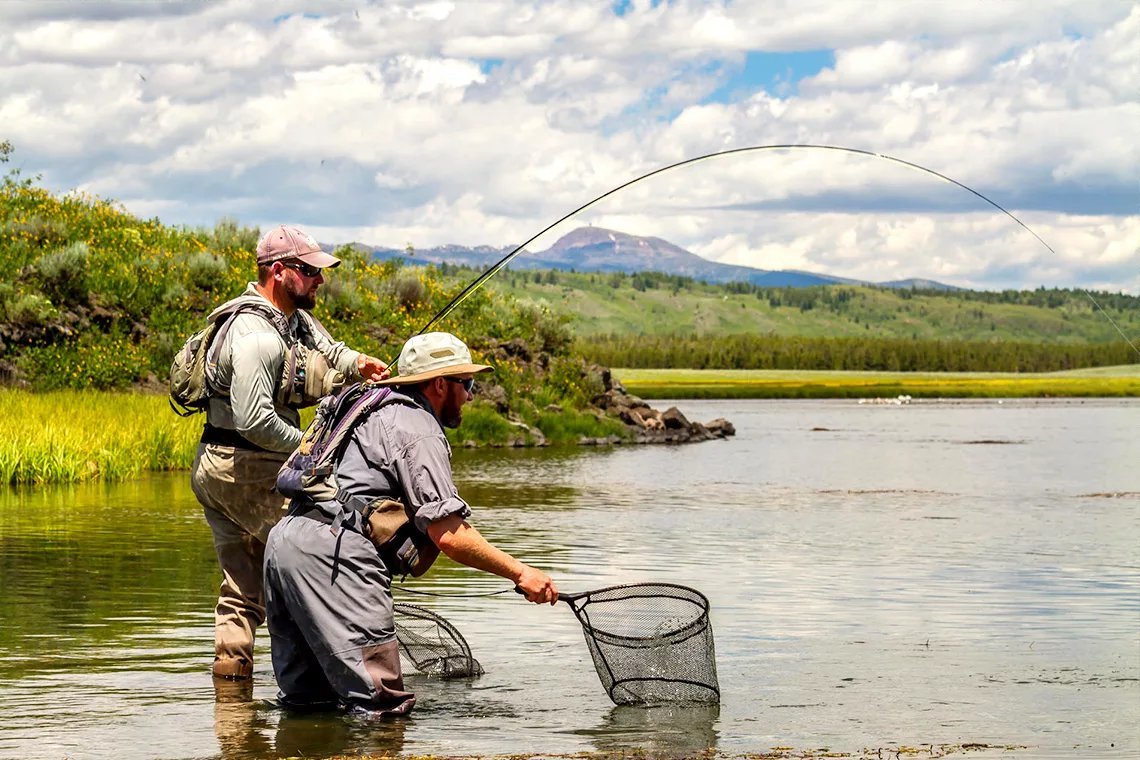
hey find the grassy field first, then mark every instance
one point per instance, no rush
(603, 304)
(712, 384)
(70, 436)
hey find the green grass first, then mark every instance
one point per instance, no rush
(605, 304)
(712, 384)
(70, 436)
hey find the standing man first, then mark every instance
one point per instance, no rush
(328, 587)
(271, 359)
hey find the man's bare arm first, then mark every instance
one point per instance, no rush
(459, 540)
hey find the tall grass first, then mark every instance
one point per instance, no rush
(70, 436)
(742, 384)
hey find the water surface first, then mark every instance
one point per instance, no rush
(932, 573)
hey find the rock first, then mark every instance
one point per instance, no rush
(516, 348)
(530, 436)
(721, 428)
(493, 394)
(674, 420)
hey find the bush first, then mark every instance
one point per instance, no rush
(341, 297)
(37, 231)
(31, 310)
(408, 290)
(228, 234)
(63, 273)
(96, 360)
(207, 271)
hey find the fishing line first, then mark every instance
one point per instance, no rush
(494, 269)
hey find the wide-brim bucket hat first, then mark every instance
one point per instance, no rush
(432, 355)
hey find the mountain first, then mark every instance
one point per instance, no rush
(596, 249)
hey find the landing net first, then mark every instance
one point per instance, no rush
(650, 642)
(433, 645)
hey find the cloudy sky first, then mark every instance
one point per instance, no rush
(481, 122)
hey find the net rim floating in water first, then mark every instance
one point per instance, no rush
(692, 673)
(447, 656)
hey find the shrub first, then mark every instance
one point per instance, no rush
(31, 310)
(38, 231)
(341, 296)
(207, 271)
(63, 273)
(408, 290)
(228, 234)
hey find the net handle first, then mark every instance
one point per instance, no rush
(570, 598)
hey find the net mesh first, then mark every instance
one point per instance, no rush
(432, 645)
(651, 643)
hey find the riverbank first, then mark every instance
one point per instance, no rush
(1122, 381)
(71, 436)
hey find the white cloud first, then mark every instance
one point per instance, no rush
(437, 122)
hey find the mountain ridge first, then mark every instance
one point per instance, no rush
(598, 249)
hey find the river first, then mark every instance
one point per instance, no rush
(880, 576)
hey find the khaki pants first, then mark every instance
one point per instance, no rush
(236, 490)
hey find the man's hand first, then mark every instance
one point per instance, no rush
(371, 368)
(537, 586)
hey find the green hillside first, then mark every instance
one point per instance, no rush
(652, 304)
(95, 298)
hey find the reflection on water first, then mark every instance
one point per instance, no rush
(935, 573)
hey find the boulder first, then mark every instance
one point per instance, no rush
(674, 420)
(721, 428)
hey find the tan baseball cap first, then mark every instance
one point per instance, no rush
(287, 242)
(433, 354)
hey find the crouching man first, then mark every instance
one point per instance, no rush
(328, 585)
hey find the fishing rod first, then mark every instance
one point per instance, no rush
(497, 266)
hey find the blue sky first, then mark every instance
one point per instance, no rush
(776, 73)
(431, 122)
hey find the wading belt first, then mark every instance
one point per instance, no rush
(226, 437)
(350, 511)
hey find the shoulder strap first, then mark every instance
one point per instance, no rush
(313, 325)
(368, 402)
(223, 319)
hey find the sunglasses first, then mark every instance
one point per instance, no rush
(306, 269)
(467, 383)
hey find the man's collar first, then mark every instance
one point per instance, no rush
(417, 398)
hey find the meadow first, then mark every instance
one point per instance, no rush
(650, 304)
(69, 436)
(762, 384)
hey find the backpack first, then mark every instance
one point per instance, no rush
(308, 477)
(193, 365)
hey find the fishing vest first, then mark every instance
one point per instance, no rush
(308, 478)
(306, 375)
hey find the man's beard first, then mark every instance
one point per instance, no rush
(301, 299)
(452, 413)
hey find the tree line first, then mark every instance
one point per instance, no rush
(770, 351)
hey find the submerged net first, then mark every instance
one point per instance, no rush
(651, 642)
(433, 645)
